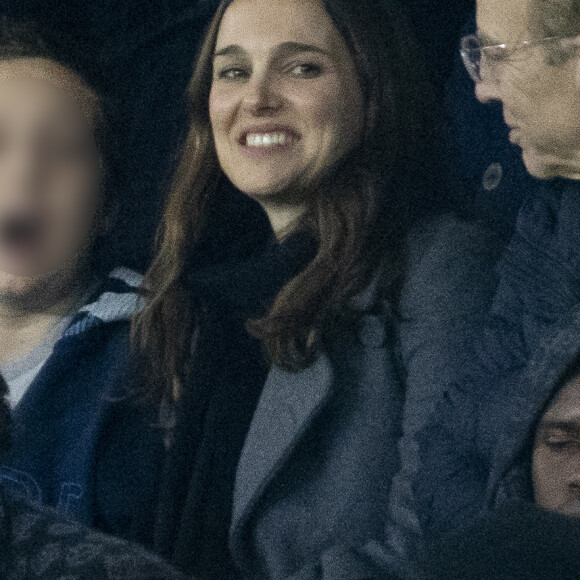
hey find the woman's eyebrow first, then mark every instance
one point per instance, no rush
(231, 50)
(288, 48)
(282, 50)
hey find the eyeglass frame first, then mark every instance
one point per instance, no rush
(473, 68)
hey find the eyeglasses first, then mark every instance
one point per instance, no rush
(473, 51)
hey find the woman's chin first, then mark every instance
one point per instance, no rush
(287, 194)
(261, 190)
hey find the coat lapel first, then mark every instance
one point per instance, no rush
(288, 404)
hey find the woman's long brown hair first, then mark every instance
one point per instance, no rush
(359, 214)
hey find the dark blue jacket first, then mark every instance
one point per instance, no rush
(79, 443)
(538, 288)
(512, 538)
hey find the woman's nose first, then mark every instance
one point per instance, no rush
(261, 95)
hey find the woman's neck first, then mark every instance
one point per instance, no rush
(283, 217)
(25, 323)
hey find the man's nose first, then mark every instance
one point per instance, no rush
(487, 89)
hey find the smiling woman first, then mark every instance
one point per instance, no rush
(281, 370)
(283, 112)
(349, 100)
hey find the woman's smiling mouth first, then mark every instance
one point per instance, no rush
(268, 138)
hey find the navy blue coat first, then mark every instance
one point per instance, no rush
(511, 538)
(79, 443)
(538, 288)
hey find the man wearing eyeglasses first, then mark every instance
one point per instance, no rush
(525, 56)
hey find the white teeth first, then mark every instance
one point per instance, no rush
(266, 139)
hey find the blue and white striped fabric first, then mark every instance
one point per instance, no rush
(116, 299)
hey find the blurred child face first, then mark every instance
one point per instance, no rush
(541, 101)
(285, 102)
(556, 454)
(49, 174)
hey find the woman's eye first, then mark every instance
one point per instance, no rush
(232, 74)
(306, 70)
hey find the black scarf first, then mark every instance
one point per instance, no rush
(226, 377)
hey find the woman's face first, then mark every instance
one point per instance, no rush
(49, 173)
(285, 102)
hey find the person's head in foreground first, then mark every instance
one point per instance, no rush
(538, 459)
(526, 55)
(556, 454)
(318, 111)
(56, 192)
(517, 542)
(530, 519)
